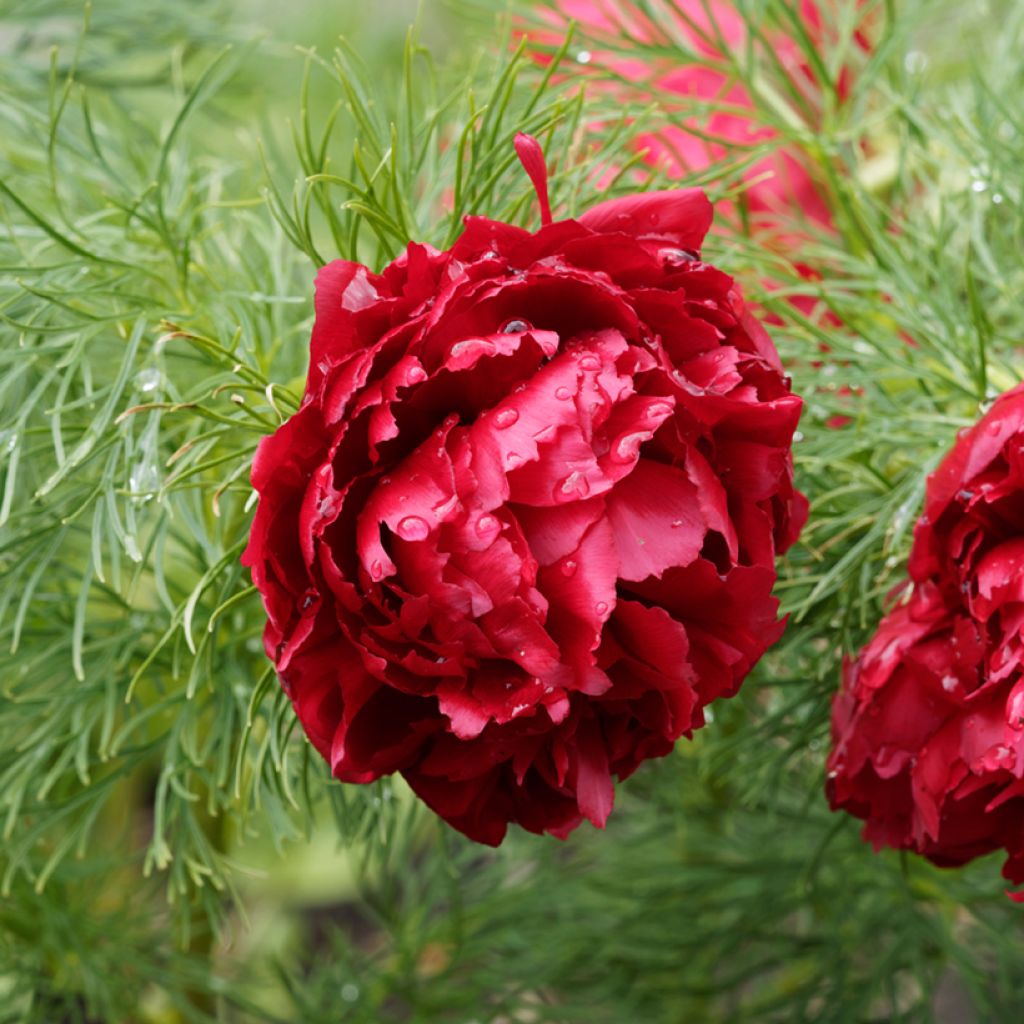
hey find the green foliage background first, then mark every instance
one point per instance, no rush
(170, 176)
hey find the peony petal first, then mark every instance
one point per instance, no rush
(594, 790)
(680, 217)
(656, 519)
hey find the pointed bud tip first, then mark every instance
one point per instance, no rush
(531, 156)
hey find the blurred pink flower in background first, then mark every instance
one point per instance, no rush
(725, 124)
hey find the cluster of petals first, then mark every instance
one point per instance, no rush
(522, 529)
(928, 727)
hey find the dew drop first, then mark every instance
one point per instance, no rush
(978, 186)
(474, 346)
(915, 62)
(601, 607)
(677, 257)
(568, 567)
(376, 571)
(584, 57)
(143, 481)
(416, 374)
(589, 361)
(676, 523)
(488, 527)
(413, 528)
(575, 485)
(148, 380)
(505, 418)
(627, 447)
(513, 459)
(563, 393)
(514, 327)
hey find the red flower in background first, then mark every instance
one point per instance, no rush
(928, 727)
(779, 183)
(523, 527)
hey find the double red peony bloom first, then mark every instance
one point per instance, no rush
(523, 527)
(929, 724)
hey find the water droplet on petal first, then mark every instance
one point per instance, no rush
(627, 447)
(568, 567)
(676, 523)
(562, 393)
(488, 527)
(589, 361)
(416, 374)
(514, 327)
(513, 459)
(677, 257)
(505, 418)
(656, 410)
(584, 57)
(575, 485)
(474, 346)
(601, 607)
(376, 571)
(413, 528)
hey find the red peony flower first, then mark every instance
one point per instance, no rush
(928, 727)
(522, 528)
(778, 184)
